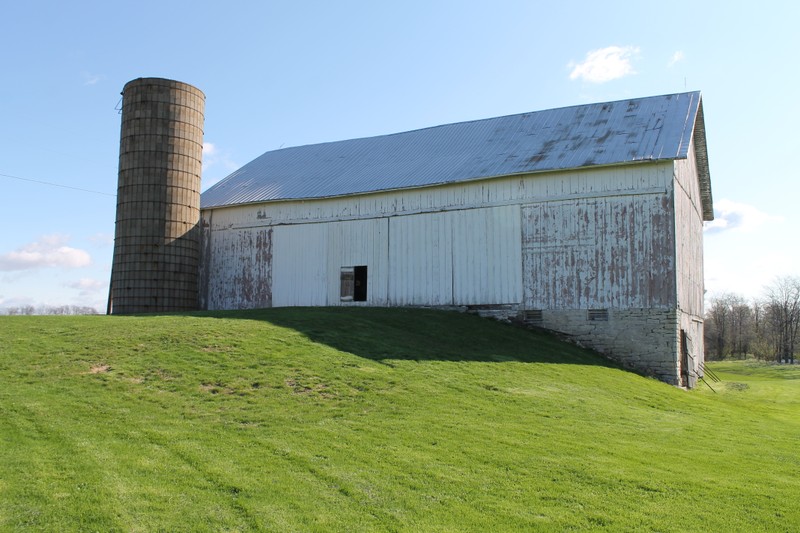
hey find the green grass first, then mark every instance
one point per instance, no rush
(375, 420)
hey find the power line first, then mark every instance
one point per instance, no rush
(40, 182)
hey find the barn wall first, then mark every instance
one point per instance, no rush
(300, 273)
(689, 254)
(358, 243)
(487, 260)
(465, 257)
(689, 231)
(236, 267)
(460, 244)
(609, 252)
(421, 260)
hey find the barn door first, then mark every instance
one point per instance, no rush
(685, 368)
(360, 283)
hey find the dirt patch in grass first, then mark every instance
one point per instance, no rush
(307, 388)
(733, 385)
(100, 369)
(216, 388)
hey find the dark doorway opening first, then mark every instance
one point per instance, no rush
(360, 282)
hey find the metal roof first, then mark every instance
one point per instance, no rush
(643, 129)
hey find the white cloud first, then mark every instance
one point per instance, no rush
(747, 276)
(730, 215)
(209, 150)
(92, 79)
(216, 164)
(102, 239)
(48, 251)
(88, 286)
(605, 64)
(676, 57)
(6, 303)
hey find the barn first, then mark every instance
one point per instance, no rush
(585, 220)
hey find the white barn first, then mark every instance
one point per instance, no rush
(585, 220)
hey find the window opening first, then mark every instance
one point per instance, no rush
(353, 284)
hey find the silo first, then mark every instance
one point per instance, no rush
(156, 242)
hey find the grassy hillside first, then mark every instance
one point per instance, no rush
(374, 419)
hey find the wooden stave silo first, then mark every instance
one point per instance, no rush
(156, 244)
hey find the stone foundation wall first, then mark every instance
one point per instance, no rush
(644, 340)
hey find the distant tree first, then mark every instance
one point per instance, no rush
(761, 346)
(741, 328)
(782, 314)
(717, 326)
(729, 327)
(51, 310)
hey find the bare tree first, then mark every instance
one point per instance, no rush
(741, 330)
(51, 310)
(719, 324)
(783, 316)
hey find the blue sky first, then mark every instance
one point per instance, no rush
(292, 73)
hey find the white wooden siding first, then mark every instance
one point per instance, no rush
(420, 260)
(614, 252)
(487, 260)
(466, 257)
(593, 238)
(497, 192)
(355, 243)
(689, 231)
(238, 269)
(299, 265)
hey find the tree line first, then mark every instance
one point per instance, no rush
(50, 310)
(765, 327)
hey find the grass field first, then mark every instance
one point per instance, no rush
(375, 420)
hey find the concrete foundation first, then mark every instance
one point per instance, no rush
(644, 340)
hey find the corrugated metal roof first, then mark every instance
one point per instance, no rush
(642, 129)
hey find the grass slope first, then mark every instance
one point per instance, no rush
(374, 419)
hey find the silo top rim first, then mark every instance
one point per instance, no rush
(174, 84)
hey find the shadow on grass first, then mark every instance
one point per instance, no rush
(383, 334)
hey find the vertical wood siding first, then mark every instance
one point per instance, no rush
(420, 260)
(359, 243)
(689, 231)
(496, 192)
(487, 258)
(238, 268)
(614, 252)
(299, 272)
(463, 257)
(592, 238)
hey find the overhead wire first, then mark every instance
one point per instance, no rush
(51, 184)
